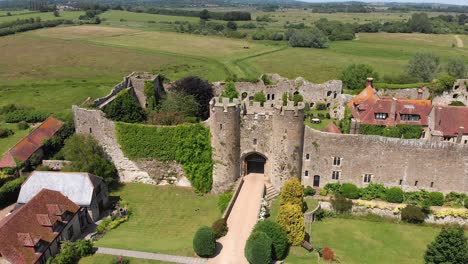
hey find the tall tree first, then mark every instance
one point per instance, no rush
(200, 89)
(355, 75)
(423, 66)
(420, 22)
(456, 68)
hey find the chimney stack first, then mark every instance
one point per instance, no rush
(420, 92)
(460, 134)
(393, 108)
(370, 81)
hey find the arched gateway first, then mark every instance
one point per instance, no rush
(254, 163)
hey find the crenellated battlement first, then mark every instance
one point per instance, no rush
(225, 103)
(290, 107)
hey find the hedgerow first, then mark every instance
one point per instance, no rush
(9, 191)
(398, 131)
(187, 144)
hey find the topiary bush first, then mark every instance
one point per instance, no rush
(291, 219)
(309, 191)
(223, 201)
(349, 191)
(394, 195)
(220, 228)
(341, 205)
(450, 246)
(412, 214)
(435, 198)
(258, 248)
(373, 191)
(332, 187)
(204, 242)
(277, 235)
(292, 193)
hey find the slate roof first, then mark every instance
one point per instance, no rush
(31, 143)
(77, 186)
(449, 119)
(368, 103)
(32, 224)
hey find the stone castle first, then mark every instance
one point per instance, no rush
(271, 138)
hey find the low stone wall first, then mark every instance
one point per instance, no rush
(393, 214)
(228, 210)
(408, 93)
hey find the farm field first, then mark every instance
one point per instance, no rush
(44, 16)
(365, 242)
(157, 225)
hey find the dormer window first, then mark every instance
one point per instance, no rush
(381, 116)
(405, 117)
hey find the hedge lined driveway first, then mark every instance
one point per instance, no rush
(241, 221)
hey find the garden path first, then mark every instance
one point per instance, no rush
(147, 255)
(241, 221)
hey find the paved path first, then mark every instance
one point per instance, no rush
(154, 256)
(241, 221)
(459, 41)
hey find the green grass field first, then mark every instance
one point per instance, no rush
(365, 242)
(8, 142)
(164, 219)
(101, 258)
(73, 15)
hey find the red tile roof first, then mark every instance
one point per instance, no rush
(332, 128)
(29, 224)
(31, 143)
(449, 119)
(368, 103)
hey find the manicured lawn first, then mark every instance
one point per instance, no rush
(8, 142)
(101, 259)
(164, 219)
(365, 242)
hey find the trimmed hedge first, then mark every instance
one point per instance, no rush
(349, 191)
(412, 214)
(26, 115)
(223, 201)
(398, 131)
(291, 219)
(436, 198)
(394, 195)
(278, 237)
(220, 228)
(258, 248)
(309, 191)
(188, 144)
(204, 242)
(9, 192)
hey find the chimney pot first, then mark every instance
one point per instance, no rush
(370, 82)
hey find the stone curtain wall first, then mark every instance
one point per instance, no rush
(94, 123)
(409, 93)
(459, 92)
(389, 160)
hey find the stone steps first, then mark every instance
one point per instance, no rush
(270, 192)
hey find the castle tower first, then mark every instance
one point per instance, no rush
(287, 143)
(224, 125)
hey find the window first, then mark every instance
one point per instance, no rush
(220, 126)
(416, 183)
(268, 96)
(381, 116)
(329, 93)
(306, 173)
(432, 184)
(70, 232)
(307, 156)
(336, 175)
(311, 105)
(336, 161)
(90, 130)
(273, 97)
(367, 178)
(401, 182)
(406, 117)
(466, 141)
(255, 141)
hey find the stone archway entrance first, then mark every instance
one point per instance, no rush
(254, 163)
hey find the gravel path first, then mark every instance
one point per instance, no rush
(241, 221)
(154, 256)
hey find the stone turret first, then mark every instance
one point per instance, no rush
(287, 143)
(224, 125)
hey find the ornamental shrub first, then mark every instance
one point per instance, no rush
(9, 192)
(341, 205)
(22, 125)
(436, 198)
(220, 228)
(258, 248)
(455, 199)
(204, 242)
(412, 214)
(71, 252)
(349, 191)
(292, 193)
(291, 219)
(277, 235)
(450, 246)
(328, 254)
(394, 195)
(309, 191)
(333, 188)
(223, 201)
(5, 132)
(373, 191)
